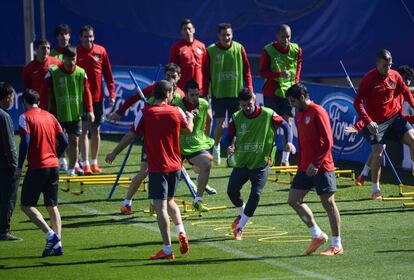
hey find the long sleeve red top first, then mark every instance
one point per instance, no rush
(34, 75)
(247, 75)
(381, 95)
(270, 86)
(96, 63)
(190, 58)
(315, 138)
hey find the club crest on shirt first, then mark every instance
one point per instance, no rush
(199, 51)
(391, 83)
(307, 120)
(96, 57)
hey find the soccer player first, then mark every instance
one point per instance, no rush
(69, 93)
(62, 34)
(253, 129)
(378, 103)
(94, 59)
(225, 68)
(35, 71)
(164, 160)
(407, 73)
(316, 169)
(195, 146)
(8, 163)
(280, 64)
(188, 53)
(39, 131)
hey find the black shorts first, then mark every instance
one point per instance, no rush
(98, 111)
(392, 129)
(189, 157)
(221, 105)
(321, 182)
(278, 104)
(73, 127)
(162, 185)
(37, 181)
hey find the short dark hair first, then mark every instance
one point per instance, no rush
(191, 84)
(172, 67)
(62, 28)
(69, 51)
(40, 42)
(223, 26)
(406, 70)
(296, 91)
(384, 54)
(85, 28)
(245, 94)
(6, 89)
(31, 96)
(283, 27)
(185, 22)
(161, 88)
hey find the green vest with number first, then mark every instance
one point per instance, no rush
(226, 68)
(67, 93)
(197, 140)
(283, 61)
(254, 139)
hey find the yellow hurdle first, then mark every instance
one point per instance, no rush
(403, 193)
(397, 198)
(409, 204)
(87, 176)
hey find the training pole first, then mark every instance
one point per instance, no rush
(132, 143)
(387, 158)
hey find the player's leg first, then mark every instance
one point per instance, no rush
(84, 147)
(203, 164)
(325, 184)
(126, 207)
(258, 179)
(300, 187)
(98, 110)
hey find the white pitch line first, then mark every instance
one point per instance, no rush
(221, 247)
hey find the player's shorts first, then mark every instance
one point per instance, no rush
(162, 185)
(278, 104)
(322, 182)
(37, 181)
(98, 111)
(73, 127)
(392, 129)
(190, 156)
(221, 105)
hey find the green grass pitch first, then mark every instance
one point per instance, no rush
(100, 243)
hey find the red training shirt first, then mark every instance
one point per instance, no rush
(96, 62)
(190, 57)
(43, 129)
(314, 138)
(247, 75)
(160, 124)
(270, 87)
(381, 95)
(34, 76)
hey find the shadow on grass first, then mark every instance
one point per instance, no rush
(208, 261)
(107, 222)
(45, 263)
(395, 251)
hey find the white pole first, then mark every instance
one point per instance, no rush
(28, 15)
